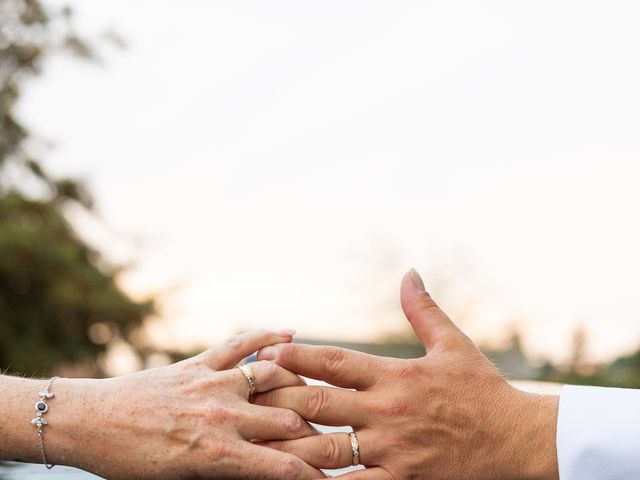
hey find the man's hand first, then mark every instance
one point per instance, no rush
(448, 415)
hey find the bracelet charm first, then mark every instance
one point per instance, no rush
(39, 421)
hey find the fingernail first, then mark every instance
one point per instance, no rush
(417, 280)
(286, 332)
(268, 353)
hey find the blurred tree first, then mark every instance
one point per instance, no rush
(28, 36)
(579, 363)
(59, 301)
(56, 305)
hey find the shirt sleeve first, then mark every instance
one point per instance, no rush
(599, 433)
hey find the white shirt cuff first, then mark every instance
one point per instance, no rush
(599, 433)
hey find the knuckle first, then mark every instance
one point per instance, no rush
(330, 450)
(286, 353)
(219, 414)
(221, 450)
(403, 369)
(197, 361)
(292, 422)
(288, 467)
(395, 408)
(316, 402)
(332, 359)
(260, 334)
(267, 368)
(234, 342)
(209, 358)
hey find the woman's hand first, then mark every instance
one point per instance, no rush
(190, 420)
(449, 415)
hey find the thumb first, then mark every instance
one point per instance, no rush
(427, 319)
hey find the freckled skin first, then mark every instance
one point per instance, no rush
(190, 420)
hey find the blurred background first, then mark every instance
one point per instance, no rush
(172, 173)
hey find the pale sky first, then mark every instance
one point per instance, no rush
(282, 163)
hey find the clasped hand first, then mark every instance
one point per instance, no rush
(447, 415)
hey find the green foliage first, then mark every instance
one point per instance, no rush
(624, 372)
(29, 34)
(51, 290)
(53, 286)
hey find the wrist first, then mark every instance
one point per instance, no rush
(535, 426)
(66, 428)
(68, 434)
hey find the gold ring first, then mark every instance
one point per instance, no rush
(355, 449)
(251, 378)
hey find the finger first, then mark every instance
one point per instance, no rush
(234, 349)
(265, 423)
(264, 463)
(323, 405)
(368, 474)
(427, 319)
(337, 366)
(331, 450)
(268, 376)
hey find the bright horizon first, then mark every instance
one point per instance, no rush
(286, 164)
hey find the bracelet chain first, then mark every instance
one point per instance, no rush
(39, 421)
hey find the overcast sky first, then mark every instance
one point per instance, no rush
(282, 163)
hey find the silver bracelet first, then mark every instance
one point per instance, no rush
(38, 421)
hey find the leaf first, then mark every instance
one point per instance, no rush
(69, 189)
(36, 169)
(79, 47)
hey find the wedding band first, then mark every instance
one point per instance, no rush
(251, 378)
(355, 449)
